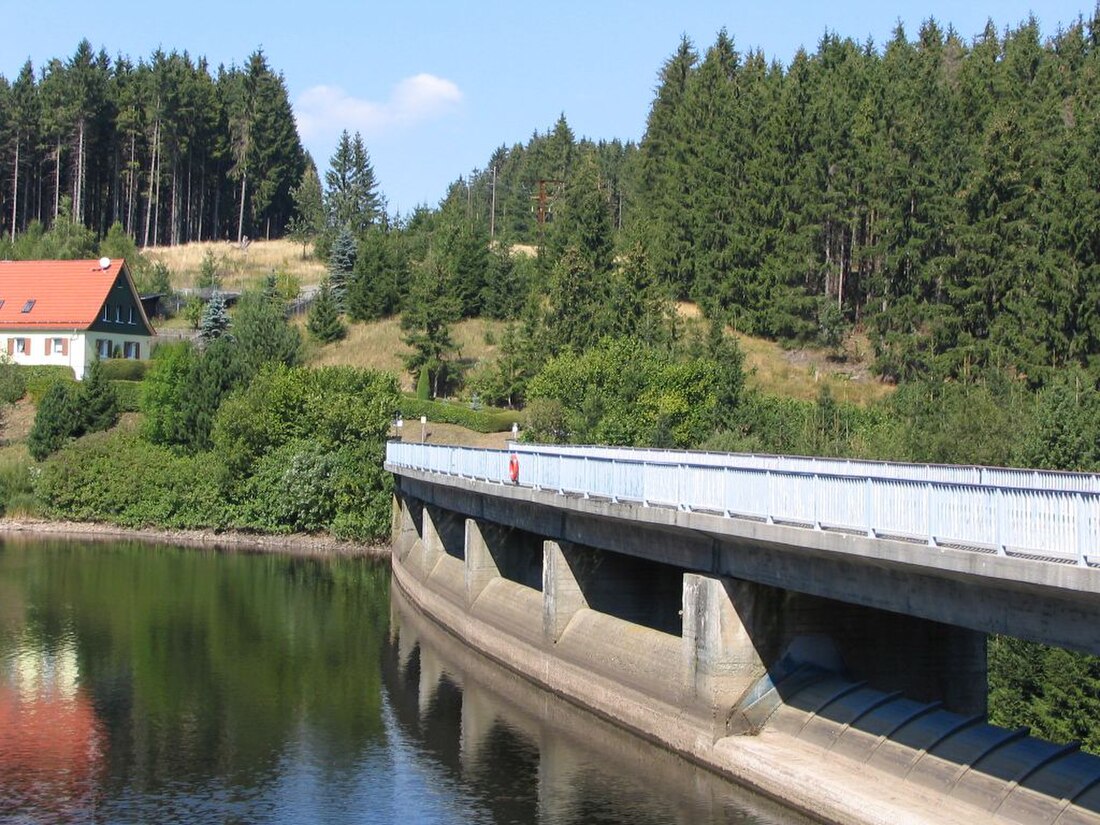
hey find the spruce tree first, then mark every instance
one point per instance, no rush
(57, 420)
(324, 319)
(341, 264)
(97, 401)
(214, 323)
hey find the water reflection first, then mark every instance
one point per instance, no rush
(149, 684)
(526, 755)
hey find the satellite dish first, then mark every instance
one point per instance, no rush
(104, 263)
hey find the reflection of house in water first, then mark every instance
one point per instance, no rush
(51, 742)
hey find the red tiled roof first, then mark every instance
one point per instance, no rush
(66, 294)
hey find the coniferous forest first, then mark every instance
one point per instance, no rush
(939, 194)
(169, 148)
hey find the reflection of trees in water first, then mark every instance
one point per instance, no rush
(204, 664)
(529, 756)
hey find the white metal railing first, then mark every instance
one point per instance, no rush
(991, 509)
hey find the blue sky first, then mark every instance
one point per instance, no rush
(434, 87)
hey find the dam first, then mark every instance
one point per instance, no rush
(825, 648)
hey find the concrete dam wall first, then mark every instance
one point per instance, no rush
(845, 712)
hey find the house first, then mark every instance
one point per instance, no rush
(69, 312)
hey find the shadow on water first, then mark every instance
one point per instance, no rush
(529, 756)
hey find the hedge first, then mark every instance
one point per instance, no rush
(40, 377)
(482, 421)
(124, 369)
(129, 395)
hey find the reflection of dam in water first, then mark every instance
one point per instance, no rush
(531, 756)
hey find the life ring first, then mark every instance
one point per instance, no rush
(513, 468)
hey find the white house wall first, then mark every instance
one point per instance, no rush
(81, 348)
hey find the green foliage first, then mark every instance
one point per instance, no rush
(193, 311)
(215, 321)
(423, 385)
(374, 289)
(40, 378)
(96, 401)
(56, 421)
(430, 310)
(211, 377)
(17, 486)
(624, 393)
(1054, 692)
(128, 394)
(163, 392)
(323, 428)
(13, 381)
(210, 274)
(262, 332)
(124, 369)
(482, 420)
(324, 322)
(119, 477)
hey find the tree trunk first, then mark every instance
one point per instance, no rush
(15, 188)
(240, 219)
(78, 184)
(57, 179)
(152, 177)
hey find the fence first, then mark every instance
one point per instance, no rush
(1002, 511)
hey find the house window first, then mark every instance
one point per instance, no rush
(57, 346)
(27, 307)
(103, 347)
(106, 313)
(131, 349)
(131, 315)
(22, 346)
(118, 313)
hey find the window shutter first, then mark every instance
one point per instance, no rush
(11, 346)
(137, 350)
(64, 346)
(47, 346)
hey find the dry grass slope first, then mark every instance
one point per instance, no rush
(378, 346)
(240, 268)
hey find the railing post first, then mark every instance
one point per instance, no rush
(868, 516)
(1082, 530)
(930, 494)
(998, 522)
(817, 503)
(769, 497)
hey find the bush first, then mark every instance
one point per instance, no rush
(118, 477)
(128, 394)
(38, 379)
(13, 382)
(124, 369)
(482, 421)
(17, 486)
(58, 419)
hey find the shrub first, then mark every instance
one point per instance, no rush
(128, 395)
(13, 382)
(97, 403)
(125, 369)
(58, 419)
(16, 485)
(39, 378)
(119, 477)
(482, 421)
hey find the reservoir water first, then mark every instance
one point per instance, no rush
(143, 683)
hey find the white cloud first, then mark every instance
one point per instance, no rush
(323, 112)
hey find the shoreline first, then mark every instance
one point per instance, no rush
(294, 544)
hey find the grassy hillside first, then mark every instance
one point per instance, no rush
(378, 346)
(239, 268)
(794, 373)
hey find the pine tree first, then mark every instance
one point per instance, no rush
(215, 320)
(262, 332)
(97, 401)
(324, 318)
(429, 312)
(341, 264)
(380, 269)
(57, 420)
(351, 191)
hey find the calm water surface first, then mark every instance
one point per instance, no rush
(150, 684)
